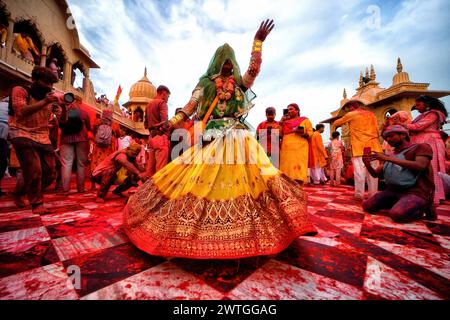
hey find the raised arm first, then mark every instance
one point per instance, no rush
(255, 60)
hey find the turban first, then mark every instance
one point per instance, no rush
(402, 117)
(396, 128)
(107, 114)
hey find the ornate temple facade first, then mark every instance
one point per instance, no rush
(141, 93)
(47, 30)
(400, 96)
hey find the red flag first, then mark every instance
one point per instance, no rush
(119, 92)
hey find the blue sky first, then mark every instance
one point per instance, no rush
(315, 51)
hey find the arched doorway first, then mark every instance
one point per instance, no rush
(138, 115)
(27, 41)
(4, 24)
(78, 73)
(56, 59)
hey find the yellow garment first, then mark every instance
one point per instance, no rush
(295, 152)
(192, 174)
(319, 153)
(200, 207)
(3, 35)
(363, 131)
(24, 45)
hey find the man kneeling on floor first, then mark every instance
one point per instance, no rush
(408, 176)
(118, 168)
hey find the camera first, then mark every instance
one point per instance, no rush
(65, 98)
(285, 112)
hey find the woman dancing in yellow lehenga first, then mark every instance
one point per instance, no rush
(223, 200)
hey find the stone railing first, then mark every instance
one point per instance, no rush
(19, 63)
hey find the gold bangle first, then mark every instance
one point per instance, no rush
(256, 49)
(176, 119)
(257, 43)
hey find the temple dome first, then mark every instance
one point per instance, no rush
(400, 76)
(143, 90)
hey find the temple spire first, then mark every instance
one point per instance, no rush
(345, 94)
(361, 82)
(399, 65)
(367, 73)
(372, 73)
(145, 72)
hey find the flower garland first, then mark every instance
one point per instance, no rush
(225, 89)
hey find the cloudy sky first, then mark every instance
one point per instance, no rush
(314, 52)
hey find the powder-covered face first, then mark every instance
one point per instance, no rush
(395, 139)
(421, 106)
(293, 112)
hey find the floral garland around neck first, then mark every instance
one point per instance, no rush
(225, 87)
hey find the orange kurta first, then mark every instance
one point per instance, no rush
(363, 131)
(319, 153)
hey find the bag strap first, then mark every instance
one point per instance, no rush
(407, 149)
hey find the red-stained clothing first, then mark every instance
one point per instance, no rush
(263, 131)
(426, 129)
(156, 112)
(33, 126)
(158, 142)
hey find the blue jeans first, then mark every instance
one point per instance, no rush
(67, 153)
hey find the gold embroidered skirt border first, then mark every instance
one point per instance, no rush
(194, 227)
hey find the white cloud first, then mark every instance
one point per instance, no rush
(314, 51)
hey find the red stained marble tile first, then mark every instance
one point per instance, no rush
(76, 227)
(342, 265)
(40, 254)
(420, 274)
(86, 243)
(164, 281)
(7, 208)
(222, 275)
(386, 282)
(18, 224)
(339, 214)
(45, 283)
(64, 208)
(399, 236)
(440, 229)
(281, 281)
(111, 265)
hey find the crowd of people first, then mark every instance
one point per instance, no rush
(175, 210)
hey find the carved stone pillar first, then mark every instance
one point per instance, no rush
(43, 56)
(9, 40)
(67, 75)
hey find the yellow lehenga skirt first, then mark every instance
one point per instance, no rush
(222, 201)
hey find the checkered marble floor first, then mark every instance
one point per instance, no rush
(354, 256)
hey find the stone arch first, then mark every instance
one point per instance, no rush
(29, 27)
(5, 15)
(77, 66)
(138, 114)
(55, 50)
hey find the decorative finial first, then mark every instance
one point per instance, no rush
(361, 81)
(145, 72)
(372, 73)
(399, 65)
(367, 73)
(345, 94)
